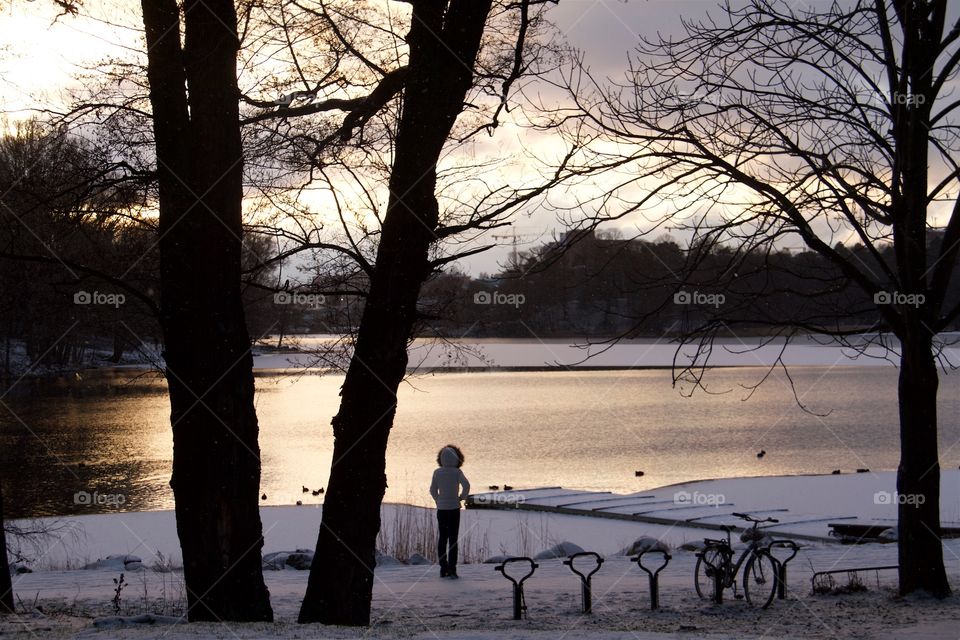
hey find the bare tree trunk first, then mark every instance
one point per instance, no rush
(6, 585)
(444, 41)
(918, 477)
(216, 456)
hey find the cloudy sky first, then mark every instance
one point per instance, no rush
(40, 55)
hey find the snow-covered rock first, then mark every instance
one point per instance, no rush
(888, 535)
(19, 568)
(275, 560)
(120, 562)
(417, 559)
(645, 543)
(384, 560)
(301, 559)
(495, 559)
(559, 550)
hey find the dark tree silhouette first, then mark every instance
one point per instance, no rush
(775, 123)
(444, 40)
(209, 367)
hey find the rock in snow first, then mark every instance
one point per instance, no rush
(301, 559)
(888, 535)
(495, 559)
(646, 543)
(276, 560)
(384, 560)
(417, 559)
(559, 550)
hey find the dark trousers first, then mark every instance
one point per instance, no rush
(448, 522)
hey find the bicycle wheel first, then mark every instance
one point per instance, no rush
(703, 573)
(759, 580)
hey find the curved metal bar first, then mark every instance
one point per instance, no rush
(654, 575)
(586, 593)
(781, 565)
(666, 557)
(519, 604)
(596, 556)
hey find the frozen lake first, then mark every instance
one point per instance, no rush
(110, 432)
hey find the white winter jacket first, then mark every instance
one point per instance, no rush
(447, 481)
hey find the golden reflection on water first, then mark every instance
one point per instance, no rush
(590, 430)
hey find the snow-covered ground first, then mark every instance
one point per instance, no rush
(412, 601)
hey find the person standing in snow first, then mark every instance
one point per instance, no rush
(446, 490)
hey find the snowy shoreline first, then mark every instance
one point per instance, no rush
(410, 600)
(428, 355)
(805, 504)
(551, 355)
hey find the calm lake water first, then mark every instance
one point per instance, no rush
(109, 432)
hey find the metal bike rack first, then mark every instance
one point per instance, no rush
(781, 565)
(654, 575)
(519, 604)
(586, 595)
(719, 577)
(813, 580)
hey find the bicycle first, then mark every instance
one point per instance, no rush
(759, 572)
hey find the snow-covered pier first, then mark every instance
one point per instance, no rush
(805, 506)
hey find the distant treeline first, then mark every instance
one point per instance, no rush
(603, 285)
(599, 285)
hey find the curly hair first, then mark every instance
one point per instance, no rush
(456, 450)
